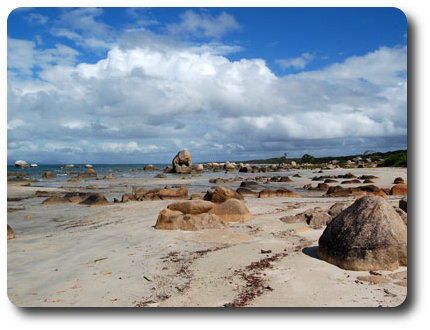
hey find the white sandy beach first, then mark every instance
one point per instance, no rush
(72, 255)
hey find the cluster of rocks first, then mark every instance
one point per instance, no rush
(81, 198)
(339, 191)
(142, 194)
(24, 164)
(218, 209)
(348, 175)
(368, 235)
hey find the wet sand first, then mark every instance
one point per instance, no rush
(72, 255)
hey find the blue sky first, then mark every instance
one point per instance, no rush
(127, 85)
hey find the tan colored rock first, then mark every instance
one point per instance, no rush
(109, 176)
(10, 233)
(192, 207)
(89, 173)
(167, 193)
(399, 189)
(221, 194)
(173, 220)
(232, 210)
(48, 175)
(368, 235)
(149, 167)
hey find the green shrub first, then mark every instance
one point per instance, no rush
(396, 160)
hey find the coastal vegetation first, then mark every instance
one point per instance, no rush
(397, 158)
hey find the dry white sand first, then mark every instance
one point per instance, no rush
(71, 255)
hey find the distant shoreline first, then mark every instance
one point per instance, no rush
(316, 160)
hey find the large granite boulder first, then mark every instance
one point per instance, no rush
(149, 167)
(21, 164)
(368, 235)
(181, 163)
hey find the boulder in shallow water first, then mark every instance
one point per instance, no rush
(48, 175)
(21, 164)
(109, 176)
(181, 163)
(368, 235)
(88, 174)
(149, 167)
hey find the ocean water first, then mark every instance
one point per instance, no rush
(120, 171)
(127, 171)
